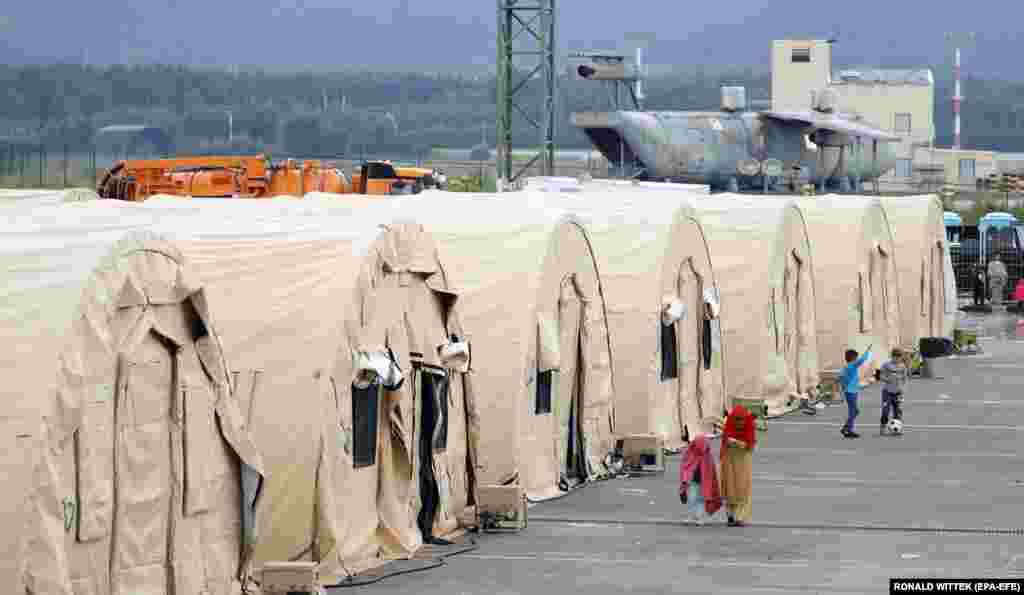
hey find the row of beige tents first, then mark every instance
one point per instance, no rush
(195, 388)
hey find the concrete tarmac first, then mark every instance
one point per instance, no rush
(830, 515)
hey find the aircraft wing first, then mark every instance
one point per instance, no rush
(832, 123)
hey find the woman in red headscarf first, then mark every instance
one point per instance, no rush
(738, 440)
(698, 481)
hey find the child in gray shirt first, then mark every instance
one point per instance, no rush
(894, 375)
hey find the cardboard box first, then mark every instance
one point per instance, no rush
(501, 507)
(286, 578)
(643, 452)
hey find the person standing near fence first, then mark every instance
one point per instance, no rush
(978, 276)
(997, 278)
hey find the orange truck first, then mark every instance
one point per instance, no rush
(245, 177)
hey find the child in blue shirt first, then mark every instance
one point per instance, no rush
(849, 380)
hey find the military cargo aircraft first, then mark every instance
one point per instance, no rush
(735, 149)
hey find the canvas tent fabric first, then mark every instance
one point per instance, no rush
(763, 264)
(951, 305)
(326, 500)
(404, 473)
(280, 275)
(652, 257)
(531, 301)
(917, 227)
(856, 280)
(145, 474)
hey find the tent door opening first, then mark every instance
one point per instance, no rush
(880, 296)
(433, 425)
(936, 307)
(575, 470)
(571, 447)
(792, 291)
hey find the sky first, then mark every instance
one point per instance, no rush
(451, 35)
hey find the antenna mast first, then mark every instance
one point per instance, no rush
(956, 40)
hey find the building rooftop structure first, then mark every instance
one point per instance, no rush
(883, 76)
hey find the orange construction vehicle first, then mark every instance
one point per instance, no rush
(422, 177)
(381, 177)
(244, 177)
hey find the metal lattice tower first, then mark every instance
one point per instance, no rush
(534, 22)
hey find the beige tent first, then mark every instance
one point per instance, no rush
(345, 474)
(532, 305)
(404, 475)
(920, 236)
(108, 327)
(855, 273)
(652, 258)
(762, 260)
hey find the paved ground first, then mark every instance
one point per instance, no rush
(830, 515)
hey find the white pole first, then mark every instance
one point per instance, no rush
(640, 76)
(231, 127)
(957, 98)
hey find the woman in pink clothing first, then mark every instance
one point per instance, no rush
(698, 481)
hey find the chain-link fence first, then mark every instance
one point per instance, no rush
(1005, 244)
(40, 166)
(27, 166)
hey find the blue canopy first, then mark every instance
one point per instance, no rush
(951, 219)
(997, 220)
(994, 221)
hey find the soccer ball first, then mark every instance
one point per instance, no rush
(896, 426)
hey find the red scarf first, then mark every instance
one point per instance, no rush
(745, 432)
(699, 453)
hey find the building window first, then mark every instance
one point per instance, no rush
(903, 168)
(967, 169)
(801, 55)
(903, 123)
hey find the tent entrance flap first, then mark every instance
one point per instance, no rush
(432, 398)
(148, 457)
(694, 355)
(795, 289)
(574, 470)
(571, 447)
(937, 302)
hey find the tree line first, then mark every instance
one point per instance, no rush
(335, 114)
